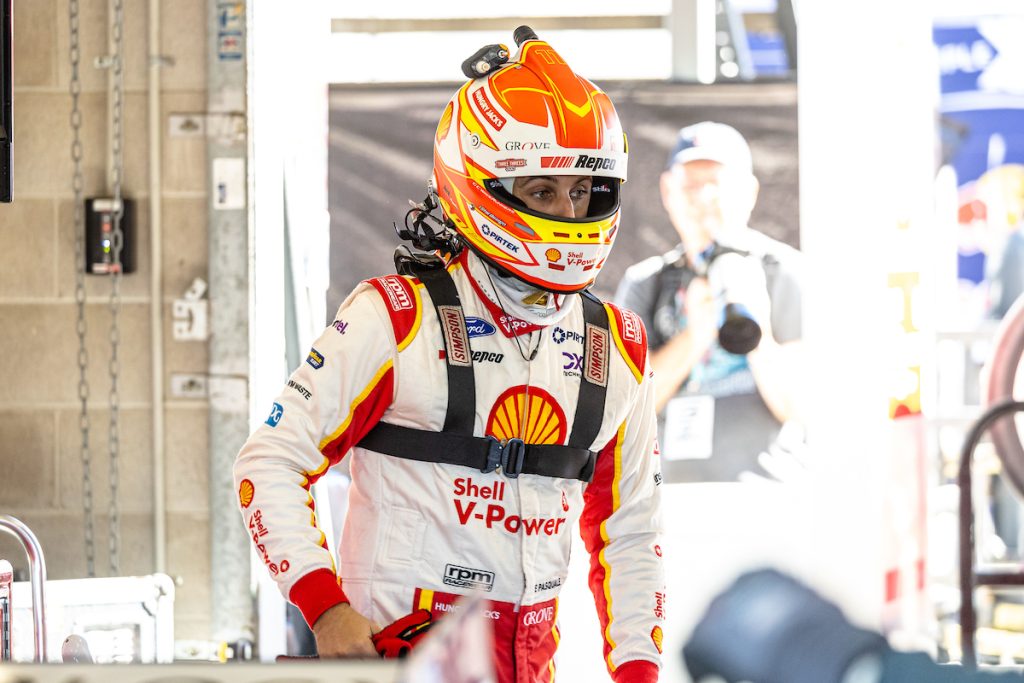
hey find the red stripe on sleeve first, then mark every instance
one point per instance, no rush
(365, 415)
(315, 593)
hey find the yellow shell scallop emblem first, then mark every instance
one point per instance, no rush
(245, 492)
(527, 413)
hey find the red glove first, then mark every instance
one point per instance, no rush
(398, 638)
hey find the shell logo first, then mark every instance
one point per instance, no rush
(553, 255)
(245, 492)
(657, 637)
(528, 413)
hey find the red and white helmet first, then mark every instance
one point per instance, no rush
(532, 117)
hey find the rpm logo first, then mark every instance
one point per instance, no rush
(398, 297)
(631, 326)
(538, 616)
(464, 577)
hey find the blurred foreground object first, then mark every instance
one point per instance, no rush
(769, 628)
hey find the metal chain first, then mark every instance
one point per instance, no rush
(78, 185)
(117, 140)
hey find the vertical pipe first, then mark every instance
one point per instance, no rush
(37, 574)
(6, 579)
(227, 150)
(156, 290)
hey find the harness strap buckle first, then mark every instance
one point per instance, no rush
(510, 456)
(513, 453)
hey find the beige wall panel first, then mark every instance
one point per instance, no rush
(188, 459)
(136, 544)
(28, 230)
(97, 287)
(27, 448)
(184, 158)
(39, 362)
(34, 50)
(136, 145)
(185, 252)
(135, 460)
(188, 561)
(181, 356)
(62, 538)
(136, 50)
(93, 31)
(42, 159)
(183, 39)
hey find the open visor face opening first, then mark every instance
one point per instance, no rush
(604, 200)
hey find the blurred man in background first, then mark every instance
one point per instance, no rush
(723, 314)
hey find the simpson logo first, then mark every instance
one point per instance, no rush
(315, 359)
(595, 163)
(477, 327)
(596, 355)
(538, 616)
(464, 577)
(509, 163)
(455, 335)
(397, 296)
(631, 326)
(487, 109)
(556, 162)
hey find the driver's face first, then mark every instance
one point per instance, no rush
(567, 196)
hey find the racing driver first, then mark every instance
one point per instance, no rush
(486, 401)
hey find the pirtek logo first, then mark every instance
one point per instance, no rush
(538, 616)
(556, 162)
(464, 577)
(397, 296)
(455, 335)
(595, 163)
(495, 119)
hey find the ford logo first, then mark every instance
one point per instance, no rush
(479, 328)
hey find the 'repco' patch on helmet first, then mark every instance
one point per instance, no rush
(531, 116)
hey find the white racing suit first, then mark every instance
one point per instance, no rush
(419, 534)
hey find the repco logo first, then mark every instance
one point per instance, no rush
(538, 616)
(595, 163)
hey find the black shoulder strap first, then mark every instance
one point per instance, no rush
(458, 357)
(594, 382)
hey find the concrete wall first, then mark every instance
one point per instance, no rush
(40, 464)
